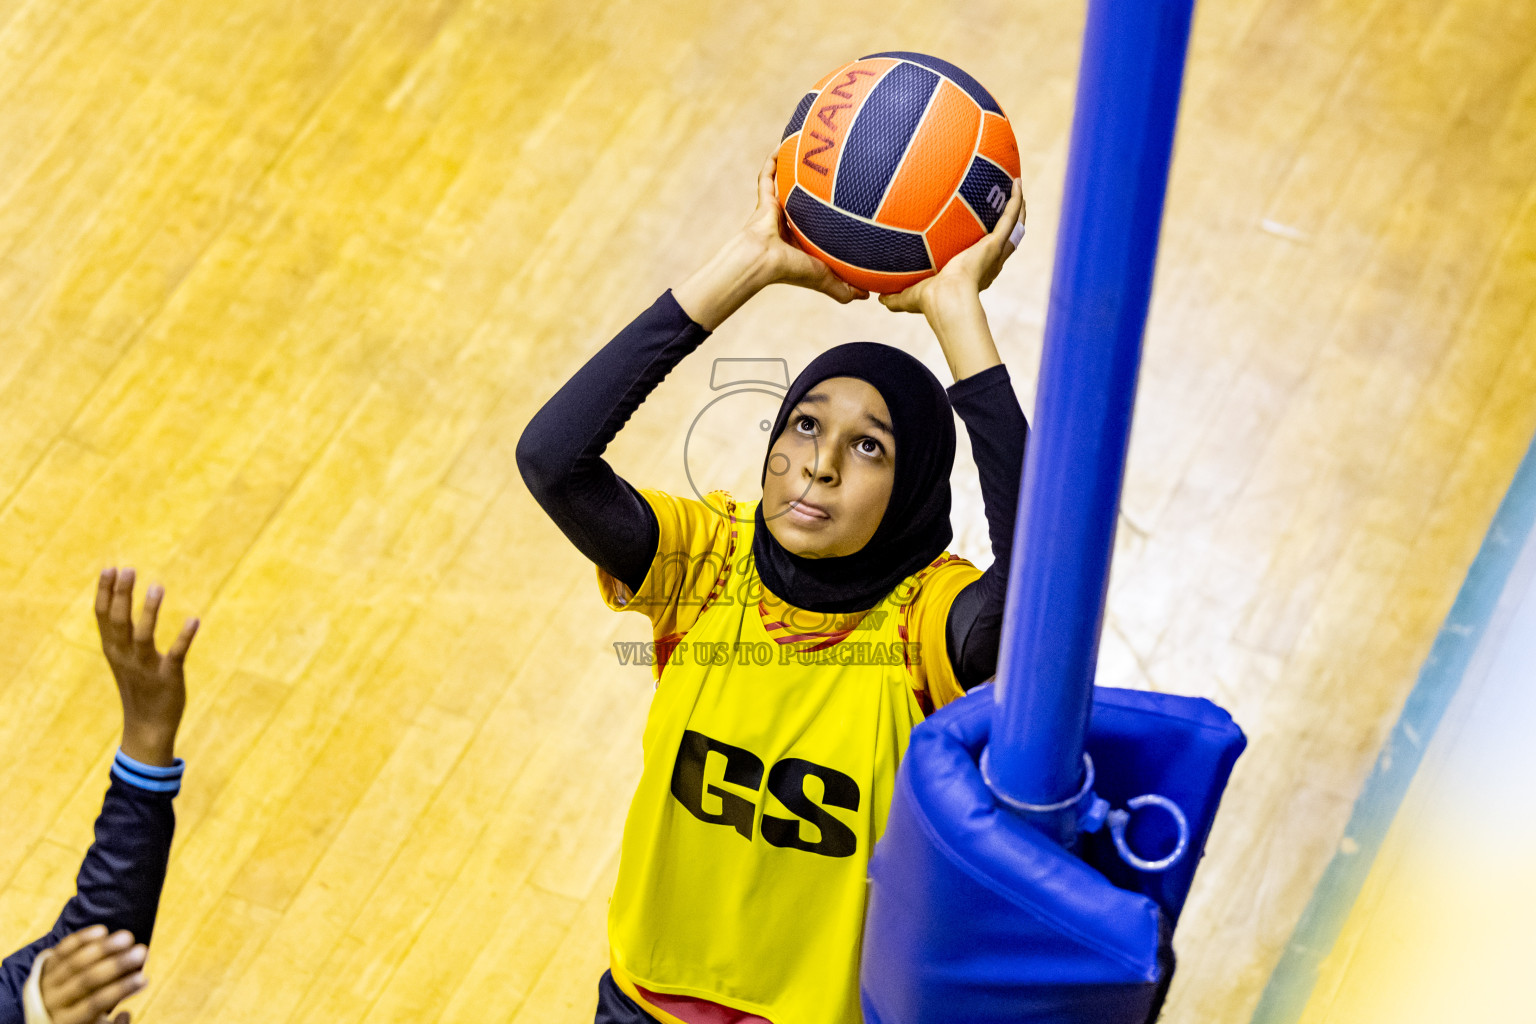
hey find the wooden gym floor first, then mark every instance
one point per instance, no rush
(281, 283)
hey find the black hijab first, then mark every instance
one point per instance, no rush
(915, 528)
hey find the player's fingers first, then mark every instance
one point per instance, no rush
(1016, 232)
(839, 289)
(72, 982)
(1007, 219)
(83, 955)
(106, 973)
(1001, 240)
(854, 292)
(120, 614)
(998, 236)
(74, 940)
(59, 967)
(144, 632)
(767, 197)
(178, 651)
(1013, 213)
(765, 176)
(108, 996)
(808, 271)
(104, 584)
(981, 259)
(996, 267)
(1015, 200)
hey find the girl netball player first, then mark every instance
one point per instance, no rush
(767, 780)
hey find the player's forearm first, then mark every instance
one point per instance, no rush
(725, 282)
(960, 323)
(149, 744)
(999, 434)
(122, 873)
(560, 452)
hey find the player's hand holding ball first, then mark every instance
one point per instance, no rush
(951, 299)
(897, 173)
(969, 274)
(785, 262)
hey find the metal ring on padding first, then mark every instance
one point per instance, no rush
(1059, 805)
(1119, 819)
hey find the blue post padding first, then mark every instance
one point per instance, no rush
(977, 916)
(1182, 748)
(1122, 141)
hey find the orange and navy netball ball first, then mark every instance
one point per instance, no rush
(893, 164)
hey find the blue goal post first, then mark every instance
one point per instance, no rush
(1122, 141)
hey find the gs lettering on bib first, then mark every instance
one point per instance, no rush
(786, 781)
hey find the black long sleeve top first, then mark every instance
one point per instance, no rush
(560, 458)
(121, 877)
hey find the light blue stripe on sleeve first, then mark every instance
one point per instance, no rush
(152, 778)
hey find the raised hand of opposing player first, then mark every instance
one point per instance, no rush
(152, 685)
(89, 972)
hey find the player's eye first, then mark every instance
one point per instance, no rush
(869, 446)
(806, 424)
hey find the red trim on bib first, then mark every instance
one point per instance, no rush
(698, 1011)
(724, 576)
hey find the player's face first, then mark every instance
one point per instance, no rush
(830, 471)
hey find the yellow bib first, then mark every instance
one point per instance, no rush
(770, 756)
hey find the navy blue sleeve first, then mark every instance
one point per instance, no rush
(999, 434)
(560, 451)
(121, 877)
